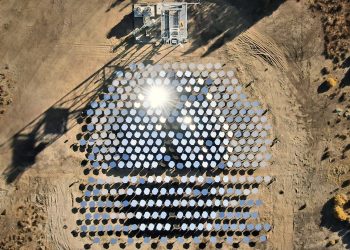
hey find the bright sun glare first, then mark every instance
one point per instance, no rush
(158, 96)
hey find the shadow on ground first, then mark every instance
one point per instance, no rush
(212, 23)
(117, 3)
(58, 119)
(346, 79)
(329, 221)
(324, 87)
(123, 28)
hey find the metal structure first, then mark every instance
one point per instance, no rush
(146, 22)
(174, 23)
(166, 22)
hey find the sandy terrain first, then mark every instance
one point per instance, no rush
(55, 55)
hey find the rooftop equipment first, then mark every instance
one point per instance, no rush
(166, 22)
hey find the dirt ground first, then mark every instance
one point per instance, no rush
(55, 54)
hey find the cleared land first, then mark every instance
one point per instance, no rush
(53, 57)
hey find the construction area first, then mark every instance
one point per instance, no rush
(174, 125)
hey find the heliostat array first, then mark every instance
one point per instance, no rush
(173, 150)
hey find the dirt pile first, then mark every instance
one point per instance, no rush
(336, 26)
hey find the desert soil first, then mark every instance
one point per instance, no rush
(54, 55)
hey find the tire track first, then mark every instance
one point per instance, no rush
(57, 208)
(260, 46)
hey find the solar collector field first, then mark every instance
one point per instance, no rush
(183, 169)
